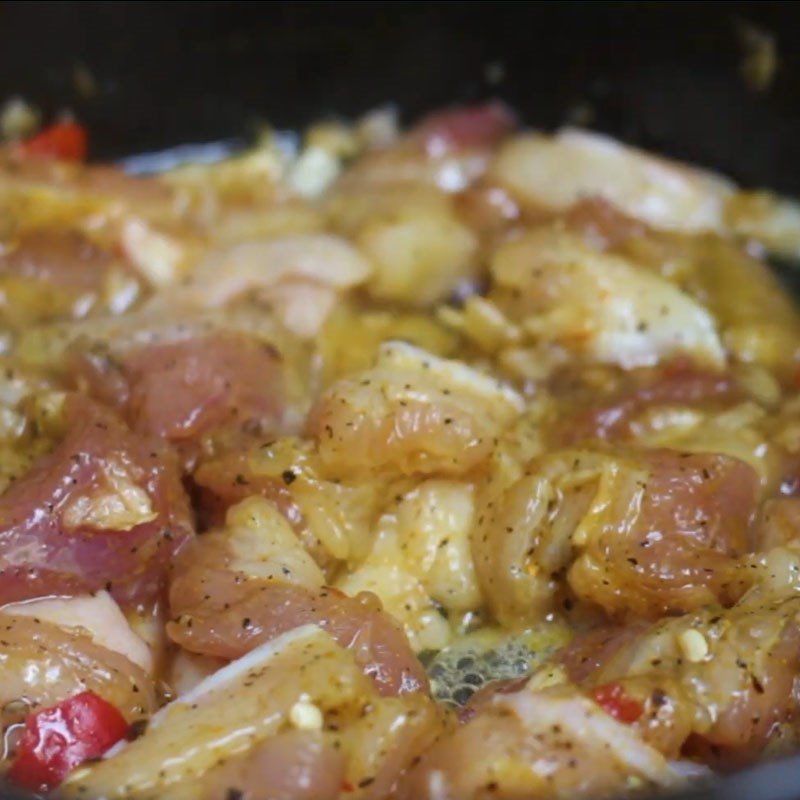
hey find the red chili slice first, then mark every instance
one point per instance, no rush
(59, 738)
(67, 141)
(614, 701)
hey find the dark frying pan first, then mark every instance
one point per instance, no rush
(668, 76)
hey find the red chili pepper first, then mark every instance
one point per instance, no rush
(59, 738)
(614, 701)
(67, 141)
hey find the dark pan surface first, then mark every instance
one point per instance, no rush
(147, 75)
(665, 75)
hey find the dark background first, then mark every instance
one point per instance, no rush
(665, 75)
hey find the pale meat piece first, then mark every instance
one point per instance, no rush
(62, 258)
(537, 744)
(301, 696)
(461, 128)
(448, 150)
(557, 171)
(716, 683)
(399, 204)
(96, 615)
(300, 277)
(183, 389)
(613, 418)
(641, 534)
(104, 510)
(141, 221)
(294, 765)
(50, 274)
(232, 591)
(79, 182)
(42, 663)
(334, 519)
(600, 307)
(413, 412)
(420, 565)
